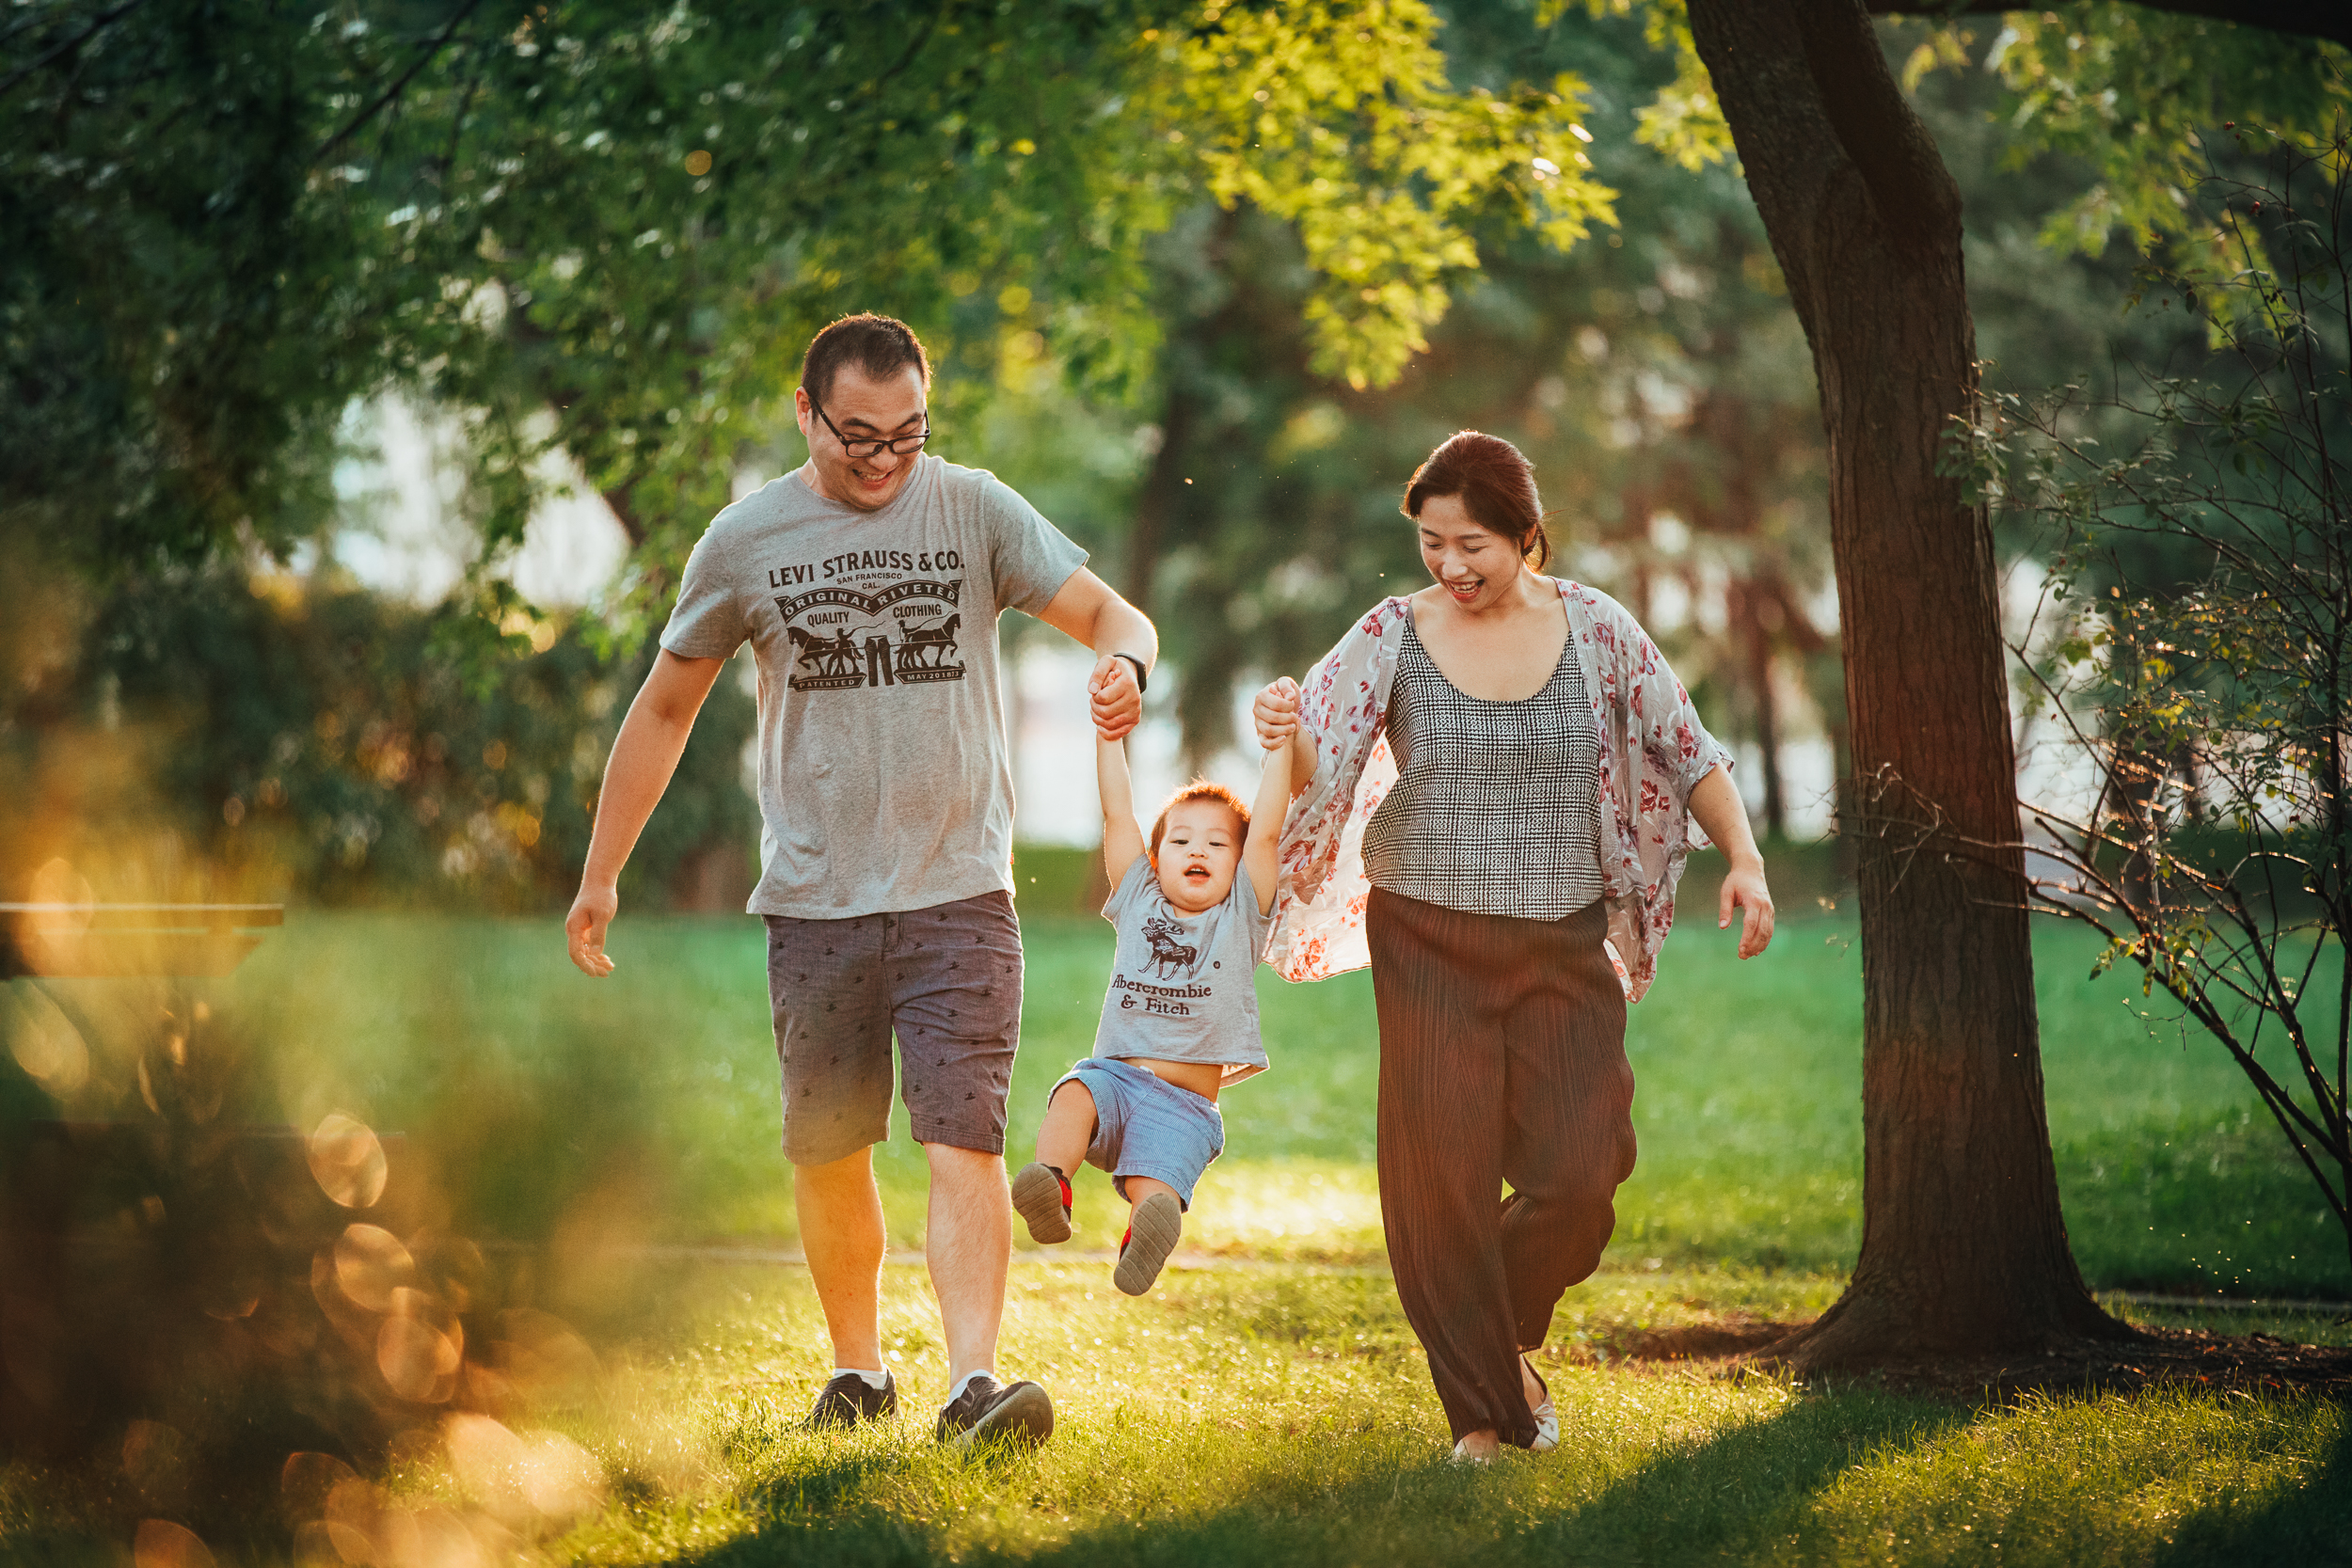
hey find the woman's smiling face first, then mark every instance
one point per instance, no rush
(1475, 566)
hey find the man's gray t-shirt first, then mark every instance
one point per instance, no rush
(885, 780)
(1184, 987)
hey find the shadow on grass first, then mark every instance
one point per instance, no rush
(1740, 1494)
(1734, 1496)
(2305, 1523)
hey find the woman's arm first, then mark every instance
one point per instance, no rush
(1723, 818)
(1122, 841)
(1262, 855)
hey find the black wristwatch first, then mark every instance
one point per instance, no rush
(1143, 677)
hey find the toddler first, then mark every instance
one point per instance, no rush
(1181, 1017)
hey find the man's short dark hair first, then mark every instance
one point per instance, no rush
(877, 345)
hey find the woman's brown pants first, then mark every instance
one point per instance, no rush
(1501, 1060)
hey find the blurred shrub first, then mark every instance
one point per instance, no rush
(294, 739)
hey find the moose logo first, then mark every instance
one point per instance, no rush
(842, 637)
(1169, 954)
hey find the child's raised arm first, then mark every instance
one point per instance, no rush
(1260, 854)
(1123, 840)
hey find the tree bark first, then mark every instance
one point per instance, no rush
(1747, 605)
(1163, 489)
(1963, 1249)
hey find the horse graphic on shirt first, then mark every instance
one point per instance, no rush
(833, 656)
(924, 651)
(1169, 954)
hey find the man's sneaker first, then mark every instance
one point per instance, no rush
(849, 1399)
(989, 1411)
(1159, 1220)
(1040, 1195)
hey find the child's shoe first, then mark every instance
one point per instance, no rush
(1040, 1195)
(1159, 1220)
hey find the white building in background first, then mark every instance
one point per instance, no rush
(406, 534)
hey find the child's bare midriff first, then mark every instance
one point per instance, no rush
(1201, 1078)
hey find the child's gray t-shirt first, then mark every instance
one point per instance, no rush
(1184, 987)
(884, 780)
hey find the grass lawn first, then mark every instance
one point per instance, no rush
(1266, 1403)
(646, 1104)
(1282, 1415)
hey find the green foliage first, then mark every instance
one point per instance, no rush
(2219, 857)
(1337, 118)
(1659, 371)
(608, 229)
(297, 739)
(1685, 121)
(2138, 93)
(170, 274)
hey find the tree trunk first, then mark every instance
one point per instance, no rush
(1162, 490)
(1161, 504)
(1963, 1250)
(1759, 641)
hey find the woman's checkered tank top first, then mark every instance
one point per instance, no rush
(1495, 807)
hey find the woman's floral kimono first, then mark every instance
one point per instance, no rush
(1653, 752)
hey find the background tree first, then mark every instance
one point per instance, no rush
(600, 230)
(1866, 223)
(2230, 884)
(628, 222)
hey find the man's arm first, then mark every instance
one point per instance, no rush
(644, 755)
(1122, 839)
(1261, 856)
(1085, 609)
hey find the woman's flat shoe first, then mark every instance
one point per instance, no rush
(1547, 1415)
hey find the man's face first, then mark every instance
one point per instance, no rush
(863, 409)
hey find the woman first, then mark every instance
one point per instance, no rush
(1499, 771)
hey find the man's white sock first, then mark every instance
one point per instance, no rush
(965, 1382)
(876, 1381)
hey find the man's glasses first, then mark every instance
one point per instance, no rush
(899, 446)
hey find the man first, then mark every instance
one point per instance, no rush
(868, 583)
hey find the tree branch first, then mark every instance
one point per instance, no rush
(1877, 126)
(97, 24)
(423, 59)
(2319, 18)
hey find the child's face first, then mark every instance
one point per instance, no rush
(1200, 851)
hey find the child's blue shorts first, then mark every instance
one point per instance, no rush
(1145, 1126)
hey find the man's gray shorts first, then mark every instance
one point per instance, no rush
(1145, 1126)
(945, 980)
